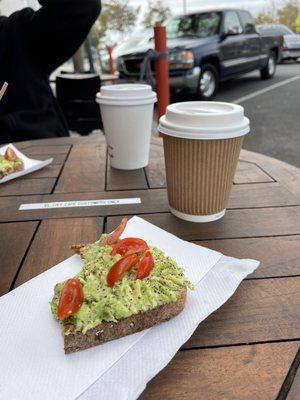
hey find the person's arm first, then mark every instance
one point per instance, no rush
(58, 28)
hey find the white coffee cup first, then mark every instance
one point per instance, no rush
(127, 114)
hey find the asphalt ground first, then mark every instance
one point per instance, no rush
(273, 107)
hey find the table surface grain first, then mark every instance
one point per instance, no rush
(249, 348)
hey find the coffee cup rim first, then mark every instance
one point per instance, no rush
(202, 120)
(205, 135)
(128, 101)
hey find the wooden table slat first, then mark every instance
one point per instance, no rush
(11, 254)
(63, 141)
(295, 389)
(58, 149)
(248, 172)
(253, 314)
(282, 260)
(53, 241)
(152, 201)
(235, 224)
(84, 171)
(235, 373)
(51, 171)
(287, 175)
(125, 180)
(27, 186)
(156, 168)
(57, 158)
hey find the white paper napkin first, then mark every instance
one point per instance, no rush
(128, 378)
(30, 165)
(33, 364)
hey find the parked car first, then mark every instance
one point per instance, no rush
(206, 48)
(291, 40)
(137, 39)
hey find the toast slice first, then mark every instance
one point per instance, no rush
(128, 306)
(107, 331)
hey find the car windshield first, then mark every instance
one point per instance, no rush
(274, 30)
(196, 25)
(134, 41)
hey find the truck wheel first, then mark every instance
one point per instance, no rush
(269, 71)
(208, 82)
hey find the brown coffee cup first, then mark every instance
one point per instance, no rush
(202, 143)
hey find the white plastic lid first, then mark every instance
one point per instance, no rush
(126, 94)
(204, 120)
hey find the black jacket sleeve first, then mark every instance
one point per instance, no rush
(58, 28)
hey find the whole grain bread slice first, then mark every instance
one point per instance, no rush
(107, 331)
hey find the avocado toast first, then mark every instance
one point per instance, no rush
(125, 286)
(10, 163)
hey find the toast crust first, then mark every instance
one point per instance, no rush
(107, 331)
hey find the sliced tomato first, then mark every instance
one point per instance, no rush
(71, 299)
(145, 266)
(115, 235)
(129, 246)
(10, 155)
(119, 268)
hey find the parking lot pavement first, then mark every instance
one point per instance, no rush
(273, 107)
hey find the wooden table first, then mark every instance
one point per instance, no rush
(248, 349)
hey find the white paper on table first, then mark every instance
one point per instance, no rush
(33, 364)
(127, 379)
(30, 165)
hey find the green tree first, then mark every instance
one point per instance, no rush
(121, 17)
(265, 18)
(288, 13)
(98, 31)
(269, 15)
(156, 14)
(117, 18)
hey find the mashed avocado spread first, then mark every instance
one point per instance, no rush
(128, 296)
(8, 166)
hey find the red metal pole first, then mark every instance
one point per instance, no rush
(161, 71)
(112, 69)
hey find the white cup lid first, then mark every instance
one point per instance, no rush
(204, 120)
(126, 94)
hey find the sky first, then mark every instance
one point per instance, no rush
(255, 6)
(177, 6)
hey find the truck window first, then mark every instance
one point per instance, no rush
(248, 22)
(232, 23)
(195, 25)
(274, 30)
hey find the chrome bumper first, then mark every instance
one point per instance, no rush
(188, 82)
(291, 54)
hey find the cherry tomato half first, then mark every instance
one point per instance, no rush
(71, 299)
(10, 155)
(115, 235)
(119, 268)
(145, 266)
(129, 246)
